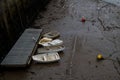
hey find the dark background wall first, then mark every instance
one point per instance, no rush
(15, 16)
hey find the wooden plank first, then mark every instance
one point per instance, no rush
(21, 52)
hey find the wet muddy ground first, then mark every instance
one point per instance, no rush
(83, 41)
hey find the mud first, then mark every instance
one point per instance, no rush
(83, 41)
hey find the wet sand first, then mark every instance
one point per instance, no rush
(83, 41)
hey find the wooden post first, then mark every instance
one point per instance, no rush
(19, 13)
(9, 8)
(4, 15)
(23, 11)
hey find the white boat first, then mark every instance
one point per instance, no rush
(50, 49)
(44, 40)
(52, 34)
(55, 42)
(46, 57)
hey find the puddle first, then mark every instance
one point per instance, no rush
(115, 2)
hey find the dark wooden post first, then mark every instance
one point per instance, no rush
(4, 15)
(18, 5)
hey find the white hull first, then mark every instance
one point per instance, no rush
(46, 57)
(50, 49)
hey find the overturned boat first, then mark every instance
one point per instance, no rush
(46, 57)
(50, 49)
(52, 34)
(51, 42)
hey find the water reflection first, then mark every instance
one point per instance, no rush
(115, 2)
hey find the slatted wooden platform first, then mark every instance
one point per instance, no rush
(20, 54)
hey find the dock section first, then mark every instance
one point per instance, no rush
(20, 54)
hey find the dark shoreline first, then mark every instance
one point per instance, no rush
(15, 17)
